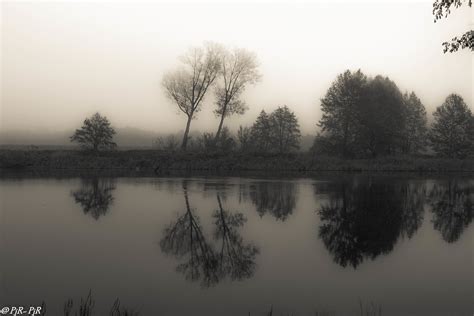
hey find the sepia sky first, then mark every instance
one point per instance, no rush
(63, 61)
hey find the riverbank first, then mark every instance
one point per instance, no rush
(159, 162)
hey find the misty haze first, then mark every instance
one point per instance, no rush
(237, 158)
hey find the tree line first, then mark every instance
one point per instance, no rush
(369, 117)
(361, 116)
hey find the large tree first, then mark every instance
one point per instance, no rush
(414, 139)
(340, 108)
(381, 118)
(238, 70)
(188, 85)
(452, 132)
(95, 134)
(361, 117)
(285, 130)
(442, 8)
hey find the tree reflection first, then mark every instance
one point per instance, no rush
(184, 239)
(95, 196)
(277, 198)
(204, 261)
(365, 219)
(413, 200)
(452, 207)
(236, 259)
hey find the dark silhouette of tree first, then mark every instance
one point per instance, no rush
(188, 85)
(362, 220)
(442, 8)
(262, 132)
(414, 139)
(452, 206)
(184, 239)
(367, 117)
(452, 133)
(340, 107)
(95, 196)
(382, 118)
(235, 258)
(285, 130)
(238, 70)
(277, 198)
(95, 134)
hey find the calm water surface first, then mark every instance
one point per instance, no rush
(230, 246)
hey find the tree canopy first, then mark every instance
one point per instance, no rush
(95, 134)
(366, 117)
(452, 133)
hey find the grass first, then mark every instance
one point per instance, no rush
(161, 162)
(86, 308)
(87, 304)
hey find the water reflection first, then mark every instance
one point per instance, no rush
(95, 196)
(413, 199)
(364, 219)
(236, 259)
(277, 198)
(185, 240)
(209, 262)
(452, 206)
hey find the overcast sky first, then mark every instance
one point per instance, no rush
(64, 61)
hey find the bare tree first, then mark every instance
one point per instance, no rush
(188, 85)
(238, 69)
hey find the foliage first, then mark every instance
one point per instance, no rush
(452, 133)
(278, 132)
(326, 145)
(225, 142)
(362, 117)
(244, 136)
(207, 142)
(382, 118)
(168, 143)
(95, 134)
(285, 131)
(261, 132)
(188, 85)
(415, 124)
(340, 111)
(442, 8)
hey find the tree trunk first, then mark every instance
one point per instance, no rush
(186, 132)
(219, 129)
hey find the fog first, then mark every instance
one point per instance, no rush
(64, 61)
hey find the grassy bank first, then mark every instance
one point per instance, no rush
(153, 161)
